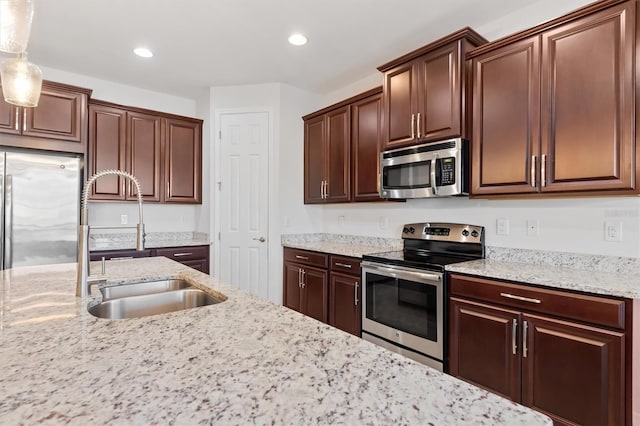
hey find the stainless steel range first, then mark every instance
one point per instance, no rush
(404, 291)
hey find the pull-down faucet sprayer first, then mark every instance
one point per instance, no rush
(83, 282)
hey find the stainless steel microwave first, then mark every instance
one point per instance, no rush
(435, 169)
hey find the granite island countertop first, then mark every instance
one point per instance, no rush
(245, 360)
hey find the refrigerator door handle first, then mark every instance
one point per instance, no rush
(8, 222)
(2, 182)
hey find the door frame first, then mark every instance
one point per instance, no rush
(273, 240)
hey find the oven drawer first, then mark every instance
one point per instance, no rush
(590, 309)
(306, 257)
(348, 265)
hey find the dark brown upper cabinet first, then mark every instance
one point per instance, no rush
(341, 150)
(424, 91)
(164, 152)
(183, 161)
(554, 106)
(58, 123)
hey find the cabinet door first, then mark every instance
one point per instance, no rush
(292, 290)
(183, 162)
(314, 159)
(144, 138)
(344, 303)
(201, 265)
(338, 155)
(506, 119)
(107, 146)
(573, 373)
(440, 94)
(60, 114)
(9, 117)
(314, 293)
(588, 102)
(366, 144)
(483, 347)
(400, 105)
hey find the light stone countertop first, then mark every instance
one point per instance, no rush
(607, 283)
(345, 245)
(126, 241)
(245, 360)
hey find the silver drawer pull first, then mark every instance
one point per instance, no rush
(514, 330)
(302, 257)
(344, 265)
(520, 298)
(182, 254)
(121, 258)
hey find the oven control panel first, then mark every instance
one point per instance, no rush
(455, 232)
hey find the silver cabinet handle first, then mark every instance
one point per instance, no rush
(355, 293)
(261, 239)
(344, 265)
(24, 120)
(413, 125)
(520, 298)
(514, 346)
(300, 277)
(326, 192)
(182, 254)
(121, 258)
(543, 170)
(525, 326)
(301, 257)
(322, 189)
(419, 132)
(533, 171)
(303, 274)
(17, 119)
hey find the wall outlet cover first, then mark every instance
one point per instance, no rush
(613, 230)
(502, 226)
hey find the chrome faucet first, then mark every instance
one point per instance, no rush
(83, 279)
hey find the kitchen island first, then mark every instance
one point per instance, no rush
(245, 360)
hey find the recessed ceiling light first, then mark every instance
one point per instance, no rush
(143, 52)
(297, 39)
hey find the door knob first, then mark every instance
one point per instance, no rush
(261, 239)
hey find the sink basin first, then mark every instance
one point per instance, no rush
(152, 304)
(137, 289)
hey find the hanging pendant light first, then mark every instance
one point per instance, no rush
(15, 25)
(21, 81)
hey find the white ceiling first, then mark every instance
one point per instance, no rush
(201, 43)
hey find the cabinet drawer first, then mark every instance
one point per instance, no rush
(306, 257)
(348, 265)
(590, 309)
(119, 254)
(181, 254)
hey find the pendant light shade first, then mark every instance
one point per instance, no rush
(21, 82)
(15, 25)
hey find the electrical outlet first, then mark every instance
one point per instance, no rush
(124, 219)
(532, 227)
(502, 226)
(613, 230)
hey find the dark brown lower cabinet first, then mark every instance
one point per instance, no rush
(325, 287)
(534, 346)
(305, 290)
(344, 302)
(196, 257)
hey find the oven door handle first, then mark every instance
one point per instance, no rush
(402, 273)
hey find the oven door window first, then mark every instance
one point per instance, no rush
(405, 305)
(407, 176)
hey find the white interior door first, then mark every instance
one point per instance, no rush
(244, 201)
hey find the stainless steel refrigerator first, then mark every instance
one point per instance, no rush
(39, 208)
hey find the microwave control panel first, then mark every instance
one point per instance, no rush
(447, 171)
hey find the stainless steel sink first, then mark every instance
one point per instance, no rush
(137, 289)
(152, 304)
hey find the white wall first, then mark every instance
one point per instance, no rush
(158, 218)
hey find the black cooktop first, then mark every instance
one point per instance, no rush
(410, 259)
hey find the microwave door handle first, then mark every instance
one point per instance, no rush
(434, 184)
